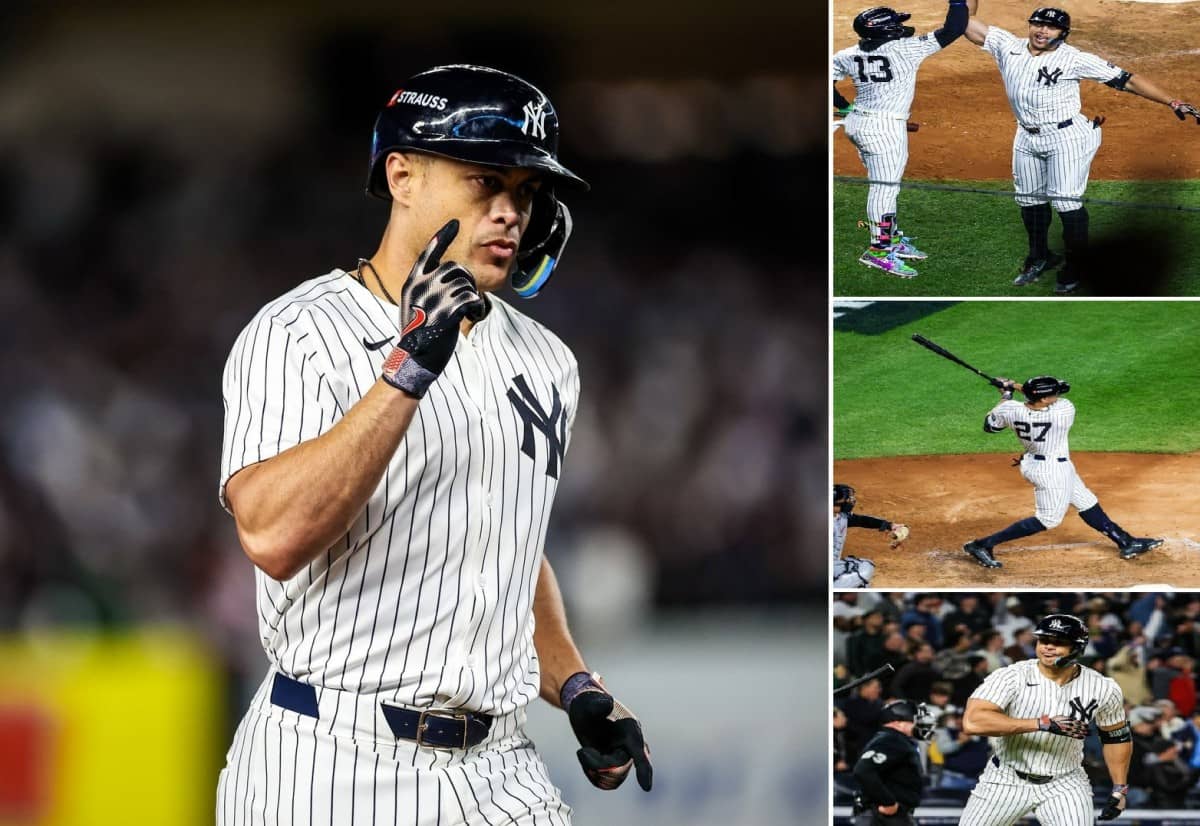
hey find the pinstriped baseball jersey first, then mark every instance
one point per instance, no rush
(1022, 691)
(1043, 432)
(427, 599)
(1043, 89)
(885, 78)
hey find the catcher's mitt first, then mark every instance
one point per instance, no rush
(899, 532)
(1184, 110)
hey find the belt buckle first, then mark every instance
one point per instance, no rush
(447, 715)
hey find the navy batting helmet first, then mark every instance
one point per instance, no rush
(844, 495)
(1039, 387)
(484, 116)
(1050, 16)
(882, 23)
(906, 711)
(1067, 627)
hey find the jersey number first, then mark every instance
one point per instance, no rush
(877, 757)
(875, 68)
(1023, 430)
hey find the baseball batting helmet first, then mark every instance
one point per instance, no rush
(906, 711)
(1050, 16)
(488, 117)
(1067, 627)
(844, 495)
(882, 23)
(1039, 387)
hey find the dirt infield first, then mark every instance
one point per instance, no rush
(966, 126)
(948, 500)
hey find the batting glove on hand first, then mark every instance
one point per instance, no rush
(1064, 726)
(1116, 804)
(844, 110)
(1183, 110)
(435, 299)
(610, 736)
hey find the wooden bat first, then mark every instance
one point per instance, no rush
(883, 669)
(944, 353)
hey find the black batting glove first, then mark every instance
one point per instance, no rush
(435, 299)
(610, 736)
(1185, 110)
(1064, 726)
(1116, 804)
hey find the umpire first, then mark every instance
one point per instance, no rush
(889, 769)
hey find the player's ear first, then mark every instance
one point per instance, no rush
(402, 170)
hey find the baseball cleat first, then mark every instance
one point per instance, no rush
(887, 261)
(1033, 268)
(1138, 546)
(903, 248)
(982, 554)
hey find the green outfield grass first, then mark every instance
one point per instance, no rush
(976, 243)
(1134, 368)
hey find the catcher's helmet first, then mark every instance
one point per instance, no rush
(1039, 387)
(882, 23)
(484, 116)
(906, 711)
(1067, 627)
(844, 495)
(1050, 16)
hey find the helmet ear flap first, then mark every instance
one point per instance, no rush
(542, 245)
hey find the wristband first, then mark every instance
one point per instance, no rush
(576, 684)
(1120, 788)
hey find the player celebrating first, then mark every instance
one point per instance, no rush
(1043, 424)
(889, 770)
(884, 67)
(1036, 714)
(1054, 144)
(393, 440)
(851, 571)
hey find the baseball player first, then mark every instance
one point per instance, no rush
(888, 771)
(1054, 144)
(1043, 423)
(851, 571)
(883, 66)
(394, 435)
(1036, 714)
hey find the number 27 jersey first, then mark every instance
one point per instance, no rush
(1043, 432)
(885, 78)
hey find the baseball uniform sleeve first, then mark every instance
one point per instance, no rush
(1068, 414)
(841, 66)
(1112, 707)
(275, 398)
(923, 46)
(1000, 687)
(1088, 66)
(998, 419)
(998, 41)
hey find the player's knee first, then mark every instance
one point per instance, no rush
(866, 572)
(1026, 201)
(1050, 520)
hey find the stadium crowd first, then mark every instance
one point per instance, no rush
(942, 647)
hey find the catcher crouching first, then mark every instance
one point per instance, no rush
(852, 571)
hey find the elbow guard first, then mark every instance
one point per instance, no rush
(1119, 81)
(1117, 735)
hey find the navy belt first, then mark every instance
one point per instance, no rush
(433, 728)
(1039, 779)
(1042, 458)
(1035, 130)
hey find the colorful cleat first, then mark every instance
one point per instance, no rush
(903, 248)
(887, 261)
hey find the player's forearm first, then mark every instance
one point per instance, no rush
(292, 507)
(993, 723)
(1144, 87)
(1117, 757)
(558, 657)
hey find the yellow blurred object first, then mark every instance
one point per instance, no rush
(109, 729)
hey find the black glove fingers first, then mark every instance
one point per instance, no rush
(431, 257)
(645, 771)
(605, 771)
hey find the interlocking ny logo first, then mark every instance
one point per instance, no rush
(1057, 625)
(1049, 78)
(534, 124)
(1081, 712)
(553, 426)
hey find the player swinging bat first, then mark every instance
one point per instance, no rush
(944, 353)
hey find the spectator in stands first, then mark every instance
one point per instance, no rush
(971, 613)
(1173, 680)
(864, 648)
(862, 710)
(1023, 646)
(1010, 618)
(952, 661)
(939, 697)
(1175, 728)
(1187, 635)
(924, 613)
(992, 647)
(840, 763)
(847, 617)
(914, 679)
(966, 684)
(963, 755)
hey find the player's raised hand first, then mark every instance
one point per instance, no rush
(435, 299)
(1116, 804)
(1064, 726)
(609, 733)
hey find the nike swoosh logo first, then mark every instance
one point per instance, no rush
(417, 321)
(1031, 685)
(377, 345)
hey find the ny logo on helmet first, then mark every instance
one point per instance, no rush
(534, 124)
(1058, 625)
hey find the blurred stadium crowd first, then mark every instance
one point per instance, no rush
(943, 646)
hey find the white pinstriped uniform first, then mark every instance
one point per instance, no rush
(850, 572)
(1044, 433)
(1020, 690)
(885, 80)
(427, 600)
(1043, 91)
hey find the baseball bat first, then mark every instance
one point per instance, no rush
(944, 353)
(883, 669)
